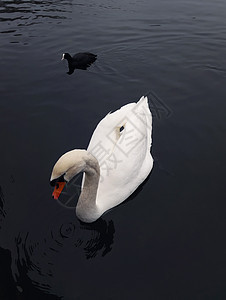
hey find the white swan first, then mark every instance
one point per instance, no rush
(116, 162)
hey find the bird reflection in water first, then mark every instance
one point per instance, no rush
(57, 246)
(43, 261)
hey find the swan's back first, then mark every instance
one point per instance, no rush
(121, 143)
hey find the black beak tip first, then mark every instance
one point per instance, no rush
(53, 182)
(59, 179)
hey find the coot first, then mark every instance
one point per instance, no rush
(81, 60)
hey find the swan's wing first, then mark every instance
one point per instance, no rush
(121, 143)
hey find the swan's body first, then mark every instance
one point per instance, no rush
(116, 162)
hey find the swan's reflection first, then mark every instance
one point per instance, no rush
(55, 245)
(43, 260)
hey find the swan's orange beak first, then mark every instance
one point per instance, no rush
(58, 189)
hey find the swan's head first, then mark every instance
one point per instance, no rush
(67, 166)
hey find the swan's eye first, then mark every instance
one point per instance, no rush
(121, 128)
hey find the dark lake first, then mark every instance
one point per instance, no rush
(168, 240)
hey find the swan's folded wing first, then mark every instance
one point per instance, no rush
(121, 143)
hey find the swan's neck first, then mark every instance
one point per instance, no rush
(87, 209)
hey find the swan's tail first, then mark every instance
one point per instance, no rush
(142, 106)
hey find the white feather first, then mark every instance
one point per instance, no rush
(116, 162)
(129, 161)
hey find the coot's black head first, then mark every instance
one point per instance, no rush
(66, 56)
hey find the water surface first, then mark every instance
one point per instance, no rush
(168, 241)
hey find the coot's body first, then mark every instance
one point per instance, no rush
(81, 60)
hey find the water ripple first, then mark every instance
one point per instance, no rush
(16, 14)
(38, 259)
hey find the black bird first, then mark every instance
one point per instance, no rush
(79, 61)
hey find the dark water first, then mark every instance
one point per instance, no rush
(168, 241)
